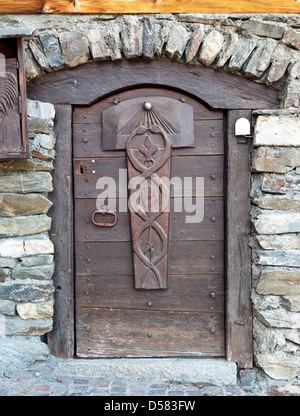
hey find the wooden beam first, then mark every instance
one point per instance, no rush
(217, 89)
(150, 6)
(238, 251)
(61, 338)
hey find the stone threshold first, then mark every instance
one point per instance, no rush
(180, 370)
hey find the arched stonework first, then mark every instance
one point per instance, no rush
(265, 51)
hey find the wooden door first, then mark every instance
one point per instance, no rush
(113, 319)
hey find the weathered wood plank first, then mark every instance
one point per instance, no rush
(217, 89)
(123, 333)
(208, 140)
(185, 293)
(207, 229)
(93, 114)
(61, 339)
(115, 258)
(149, 6)
(208, 167)
(238, 252)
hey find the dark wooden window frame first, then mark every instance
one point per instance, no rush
(218, 90)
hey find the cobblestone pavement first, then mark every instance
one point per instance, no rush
(28, 384)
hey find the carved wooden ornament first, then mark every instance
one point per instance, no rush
(148, 159)
(148, 136)
(13, 117)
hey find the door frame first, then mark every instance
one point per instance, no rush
(90, 83)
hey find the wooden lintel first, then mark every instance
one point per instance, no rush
(150, 6)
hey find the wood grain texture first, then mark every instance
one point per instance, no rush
(182, 166)
(61, 339)
(217, 89)
(13, 112)
(128, 333)
(238, 251)
(185, 293)
(206, 230)
(208, 140)
(115, 258)
(149, 6)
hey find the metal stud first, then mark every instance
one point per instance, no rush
(212, 257)
(88, 260)
(149, 334)
(149, 303)
(213, 295)
(147, 106)
(213, 219)
(213, 176)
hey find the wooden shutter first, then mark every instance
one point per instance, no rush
(13, 117)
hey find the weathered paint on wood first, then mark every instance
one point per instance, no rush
(149, 6)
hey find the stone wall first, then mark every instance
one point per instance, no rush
(276, 242)
(26, 252)
(264, 48)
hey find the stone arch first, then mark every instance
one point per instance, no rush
(265, 52)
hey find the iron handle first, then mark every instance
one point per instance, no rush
(104, 224)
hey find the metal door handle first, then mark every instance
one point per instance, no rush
(104, 224)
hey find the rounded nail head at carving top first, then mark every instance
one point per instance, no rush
(147, 105)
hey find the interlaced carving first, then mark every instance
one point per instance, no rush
(150, 163)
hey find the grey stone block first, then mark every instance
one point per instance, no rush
(20, 353)
(52, 50)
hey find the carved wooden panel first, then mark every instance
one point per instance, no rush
(13, 119)
(148, 130)
(148, 160)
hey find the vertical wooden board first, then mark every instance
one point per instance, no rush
(61, 338)
(23, 95)
(238, 252)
